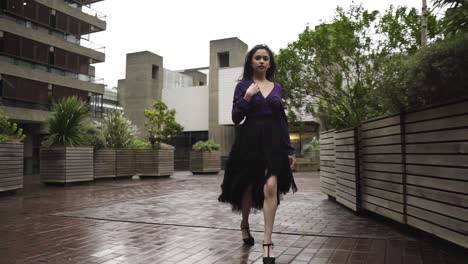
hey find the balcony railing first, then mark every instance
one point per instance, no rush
(50, 68)
(69, 38)
(85, 2)
(88, 10)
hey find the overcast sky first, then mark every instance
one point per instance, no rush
(180, 30)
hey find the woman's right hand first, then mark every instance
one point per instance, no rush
(251, 91)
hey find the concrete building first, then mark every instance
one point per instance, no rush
(109, 101)
(203, 108)
(46, 54)
(147, 80)
(142, 85)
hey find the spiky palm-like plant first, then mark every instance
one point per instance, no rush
(67, 123)
(117, 130)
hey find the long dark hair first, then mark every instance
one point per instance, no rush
(248, 70)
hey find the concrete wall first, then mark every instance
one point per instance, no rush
(23, 114)
(138, 90)
(191, 105)
(197, 77)
(237, 49)
(174, 79)
(43, 36)
(23, 71)
(227, 83)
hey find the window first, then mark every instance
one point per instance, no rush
(51, 56)
(53, 21)
(155, 72)
(1, 41)
(223, 59)
(201, 84)
(95, 104)
(1, 86)
(11, 44)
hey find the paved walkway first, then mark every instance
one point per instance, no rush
(178, 220)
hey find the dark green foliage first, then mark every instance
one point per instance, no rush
(161, 124)
(455, 20)
(340, 70)
(67, 123)
(433, 75)
(117, 130)
(205, 145)
(10, 132)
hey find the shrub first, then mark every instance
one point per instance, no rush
(313, 145)
(438, 73)
(10, 132)
(161, 124)
(144, 144)
(117, 130)
(432, 75)
(139, 144)
(206, 145)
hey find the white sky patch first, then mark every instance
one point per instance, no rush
(180, 30)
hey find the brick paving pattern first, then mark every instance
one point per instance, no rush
(178, 220)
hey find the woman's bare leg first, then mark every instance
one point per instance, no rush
(246, 204)
(270, 204)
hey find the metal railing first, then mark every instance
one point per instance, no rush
(88, 10)
(67, 37)
(49, 68)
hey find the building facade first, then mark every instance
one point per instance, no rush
(202, 97)
(46, 54)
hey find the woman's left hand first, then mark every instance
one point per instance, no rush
(292, 161)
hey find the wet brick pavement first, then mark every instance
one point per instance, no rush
(178, 220)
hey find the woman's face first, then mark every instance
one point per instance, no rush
(261, 61)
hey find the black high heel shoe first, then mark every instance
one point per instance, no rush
(268, 259)
(249, 240)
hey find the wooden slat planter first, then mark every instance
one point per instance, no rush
(66, 164)
(413, 168)
(347, 169)
(125, 165)
(150, 162)
(104, 163)
(327, 163)
(382, 180)
(310, 161)
(205, 161)
(437, 171)
(11, 167)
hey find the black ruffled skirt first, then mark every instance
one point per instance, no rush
(258, 152)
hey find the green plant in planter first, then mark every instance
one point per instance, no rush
(139, 144)
(10, 132)
(161, 124)
(117, 130)
(206, 145)
(68, 123)
(313, 145)
(93, 135)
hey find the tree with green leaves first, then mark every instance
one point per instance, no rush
(161, 124)
(455, 20)
(334, 69)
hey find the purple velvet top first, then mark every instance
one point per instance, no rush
(261, 106)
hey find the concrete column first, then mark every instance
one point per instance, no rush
(142, 85)
(237, 50)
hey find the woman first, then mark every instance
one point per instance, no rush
(258, 170)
